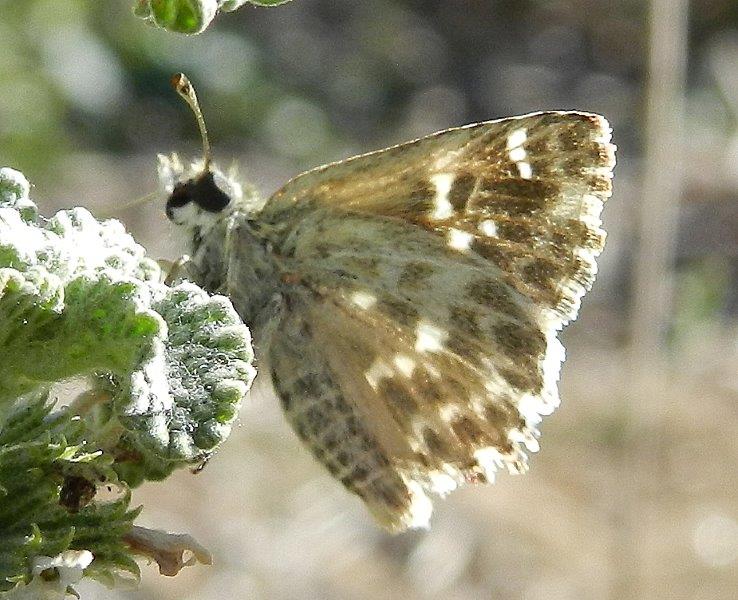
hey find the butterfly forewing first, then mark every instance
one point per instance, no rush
(424, 287)
(524, 193)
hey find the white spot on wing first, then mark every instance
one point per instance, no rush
(421, 506)
(526, 438)
(377, 371)
(526, 171)
(488, 227)
(459, 240)
(404, 364)
(589, 211)
(442, 208)
(517, 153)
(516, 138)
(490, 460)
(441, 483)
(532, 406)
(532, 443)
(446, 159)
(363, 300)
(429, 338)
(449, 412)
(529, 406)
(555, 355)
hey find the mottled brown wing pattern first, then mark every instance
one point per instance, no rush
(442, 363)
(424, 287)
(327, 420)
(525, 193)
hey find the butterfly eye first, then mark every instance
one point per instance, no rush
(207, 195)
(202, 190)
(181, 196)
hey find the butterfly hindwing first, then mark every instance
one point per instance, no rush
(419, 342)
(424, 286)
(328, 421)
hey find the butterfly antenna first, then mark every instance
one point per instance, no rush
(119, 209)
(186, 90)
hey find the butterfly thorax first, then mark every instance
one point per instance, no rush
(208, 253)
(236, 259)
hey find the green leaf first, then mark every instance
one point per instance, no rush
(34, 462)
(207, 358)
(262, 2)
(189, 16)
(181, 16)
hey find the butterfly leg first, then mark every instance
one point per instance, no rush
(184, 268)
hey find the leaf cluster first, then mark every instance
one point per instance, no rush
(164, 370)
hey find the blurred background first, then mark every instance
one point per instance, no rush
(635, 491)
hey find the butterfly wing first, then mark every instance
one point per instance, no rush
(424, 286)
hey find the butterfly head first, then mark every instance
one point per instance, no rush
(197, 197)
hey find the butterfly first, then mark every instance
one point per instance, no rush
(406, 302)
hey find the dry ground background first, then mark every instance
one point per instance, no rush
(634, 494)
